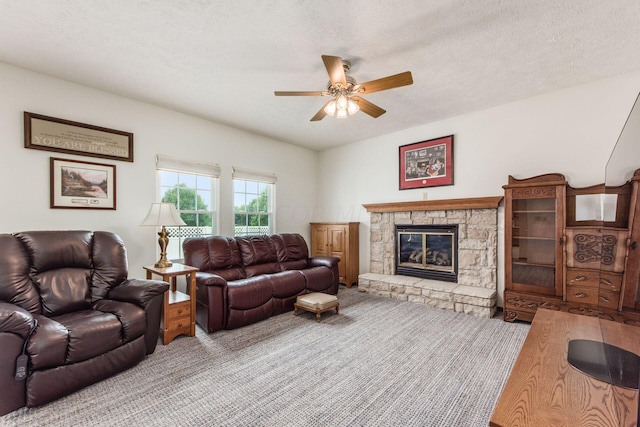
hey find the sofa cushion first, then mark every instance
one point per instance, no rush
(91, 332)
(215, 254)
(48, 345)
(249, 293)
(17, 288)
(291, 250)
(109, 264)
(64, 290)
(250, 300)
(49, 250)
(258, 255)
(132, 317)
(61, 268)
(287, 283)
(319, 279)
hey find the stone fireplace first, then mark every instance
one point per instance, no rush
(474, 290)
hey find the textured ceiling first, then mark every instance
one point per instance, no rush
(222, 60)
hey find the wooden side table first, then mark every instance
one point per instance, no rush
(179, 309)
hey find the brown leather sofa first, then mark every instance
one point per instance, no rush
(66, 303)
(243, 280)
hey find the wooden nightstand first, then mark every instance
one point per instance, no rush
(179, 309)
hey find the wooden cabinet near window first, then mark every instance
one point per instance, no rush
(338, 239)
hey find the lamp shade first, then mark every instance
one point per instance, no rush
(163, 214)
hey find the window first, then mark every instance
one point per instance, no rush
(193, 188)
(253, 202)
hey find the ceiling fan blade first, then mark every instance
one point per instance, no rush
(300, 93)
(368, 108)
(320, 114)
(334, 67)
(390, 82)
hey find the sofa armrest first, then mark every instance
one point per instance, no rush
(138, 291)
(149, 295)
(210, 279)
(16, 320)
(323, 261)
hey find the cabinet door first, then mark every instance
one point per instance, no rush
(319, 240)
(337, 245)
(533, 228)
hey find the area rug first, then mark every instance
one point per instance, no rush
(379, 362)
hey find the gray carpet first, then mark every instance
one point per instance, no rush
(380, 362)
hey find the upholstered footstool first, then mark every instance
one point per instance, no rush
(316, 302)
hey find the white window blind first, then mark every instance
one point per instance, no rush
(180, 165)
(251, 175)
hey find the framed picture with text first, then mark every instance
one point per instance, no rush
(64, 136)
(426, 163)
(82, 185)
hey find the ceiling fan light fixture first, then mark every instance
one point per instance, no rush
(341, 114)
(330, 109)
(342, 102)
(352, 107)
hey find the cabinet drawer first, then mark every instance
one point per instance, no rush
(582, 294)
(583, 278)
(179, 324)
(608, 299)
(179, 309)
(610, 282)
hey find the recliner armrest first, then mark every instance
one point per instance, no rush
(16, 320)
(138, 291)
(323, 261)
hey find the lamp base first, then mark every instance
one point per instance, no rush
(163, 263)
(163, 241)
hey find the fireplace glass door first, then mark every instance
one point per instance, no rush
(429, 254)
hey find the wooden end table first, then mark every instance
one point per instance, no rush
(179, 309)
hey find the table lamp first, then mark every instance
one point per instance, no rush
(163, 214)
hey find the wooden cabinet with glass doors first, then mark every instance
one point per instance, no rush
(534, 223)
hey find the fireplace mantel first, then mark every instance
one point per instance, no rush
(436, 205)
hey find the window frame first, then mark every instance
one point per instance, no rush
(196, 170)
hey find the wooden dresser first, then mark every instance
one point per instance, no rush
(543, 389)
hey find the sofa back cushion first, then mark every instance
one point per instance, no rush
(291, 250)
(61, 268)
(110, 267)
(214, 254)
(16, 286)
(258, 255)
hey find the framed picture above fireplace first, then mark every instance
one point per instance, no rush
(426, 163)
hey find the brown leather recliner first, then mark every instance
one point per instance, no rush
(66, 303)
(243, 280)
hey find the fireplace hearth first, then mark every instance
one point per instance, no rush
(427, 251)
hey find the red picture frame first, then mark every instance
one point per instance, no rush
(426, 163)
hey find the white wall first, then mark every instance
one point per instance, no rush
(24, 173)
(570, 132)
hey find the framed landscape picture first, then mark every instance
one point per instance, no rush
(426, 163)
(82, 185)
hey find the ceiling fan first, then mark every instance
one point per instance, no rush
(344, 90)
